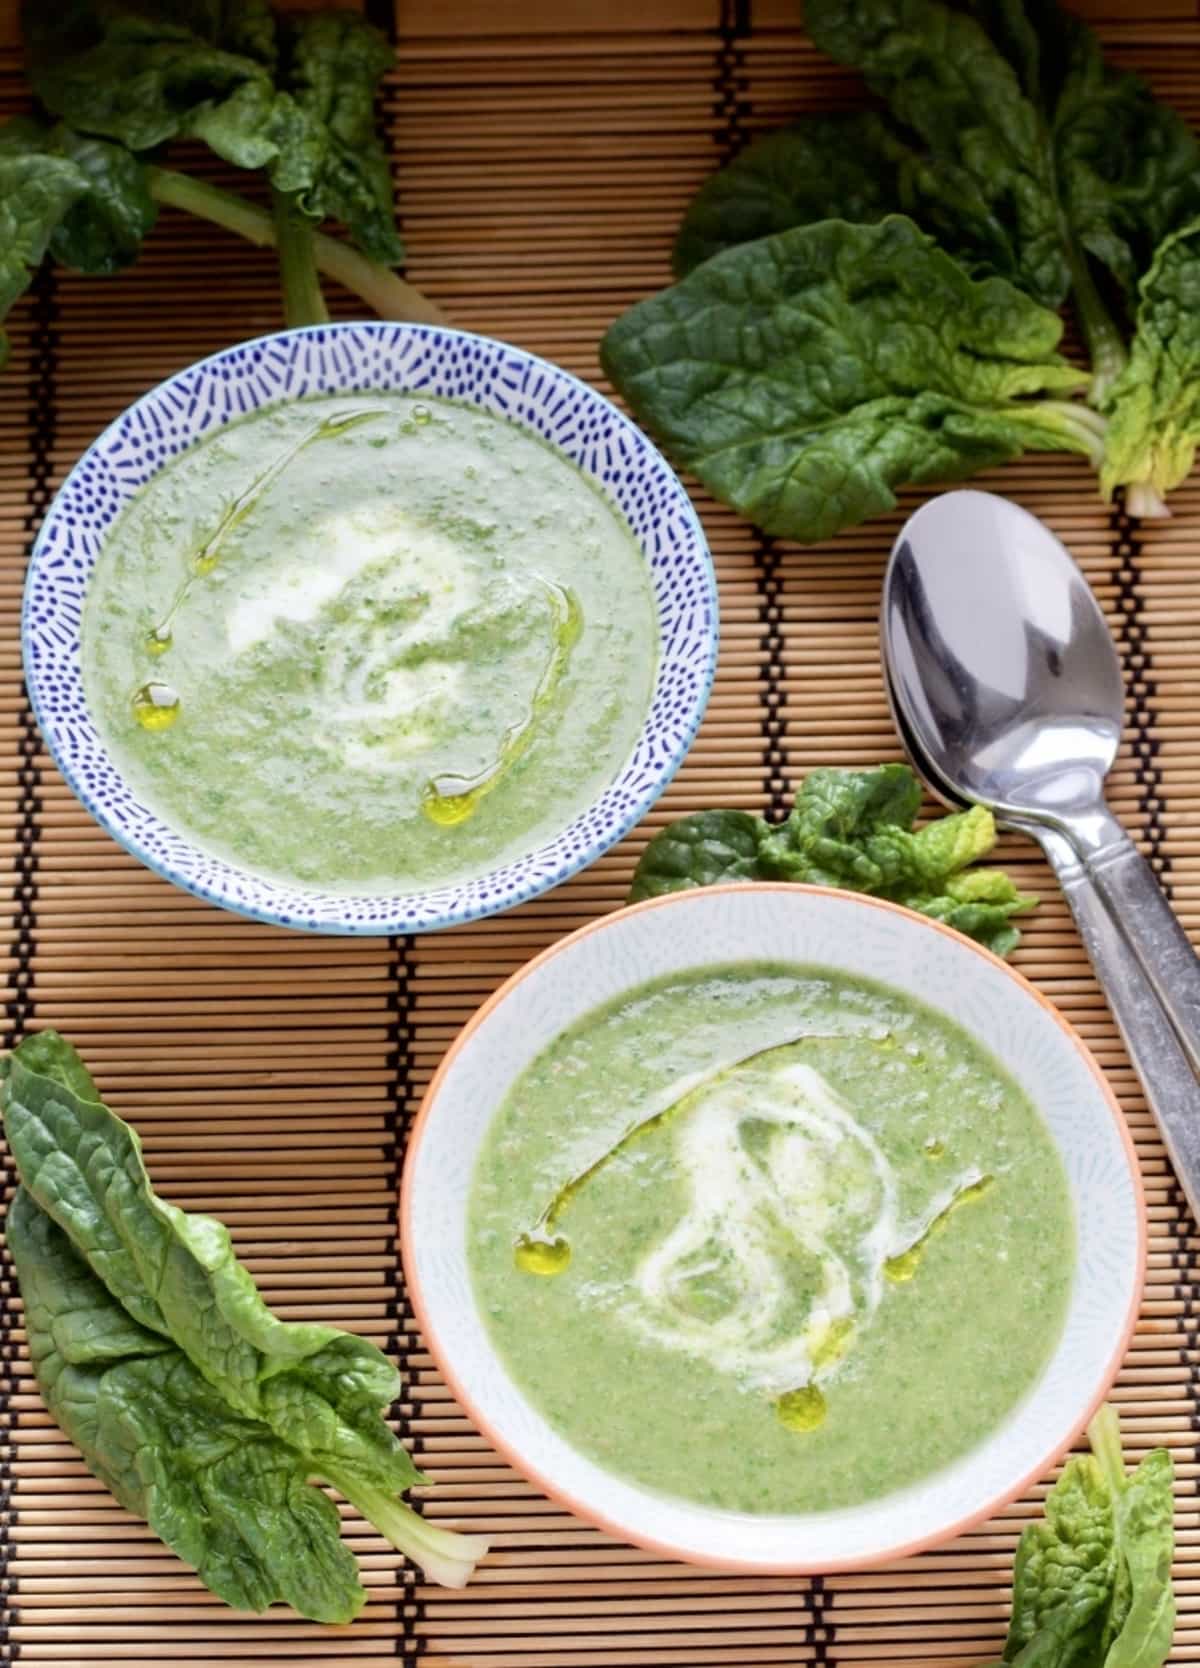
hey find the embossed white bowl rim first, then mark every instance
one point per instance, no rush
(347, 358)
(798, 924)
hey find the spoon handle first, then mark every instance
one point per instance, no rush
(1166, 1073)
(1127, 884)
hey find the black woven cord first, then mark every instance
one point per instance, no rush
(731, 104)
(42, 420)
(772, 693)
(382, 13)
(1143, 690)
(1133, 639)
(821, 1630)
(402, 1323)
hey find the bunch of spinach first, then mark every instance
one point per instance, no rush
(1092, 1586)
(854, 829)
(189, 1399)
(292, 98)
(870, 299)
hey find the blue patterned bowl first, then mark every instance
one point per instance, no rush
(338, 358)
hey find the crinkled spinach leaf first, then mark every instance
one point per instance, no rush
(241, 1376)
(948, 84)
(140, 72)
(1064, 1574)
(336, 60)
(35, 193)
(108, 211)
(1092, 1585)
(1154, 406)
(806, 376)
(1075, 158)
(294, 97)
(848, 828)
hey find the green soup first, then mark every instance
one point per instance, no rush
(369, 641)
(771, 1238)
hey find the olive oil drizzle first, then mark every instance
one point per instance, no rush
(901, 1267)
(451, 799)
(541, 1250)
(160, 637)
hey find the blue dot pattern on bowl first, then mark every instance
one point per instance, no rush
(347, 358)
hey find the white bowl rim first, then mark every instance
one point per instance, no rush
(392, 924)
(630, 1533)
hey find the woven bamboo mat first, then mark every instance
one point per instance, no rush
(543, 152)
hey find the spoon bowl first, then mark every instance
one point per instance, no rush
(1000, 659)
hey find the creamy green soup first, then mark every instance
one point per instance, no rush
(771, 1238)
(369, 641)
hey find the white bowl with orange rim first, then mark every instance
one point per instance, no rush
(854, 938)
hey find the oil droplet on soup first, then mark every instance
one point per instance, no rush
(155, 706)
(802, 1409)
(535, 1255)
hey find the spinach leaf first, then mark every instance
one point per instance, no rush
(850, 829)
(858, 167)
(806, 376)
(1141, 1620)
(295, 98)
(35, 194)
(1127, 167)
(1092, 1585)
(1064, 1573)
(225, 1493)
(703, 849)
(336, 61)
(946, 82)
(110, 209)
(1154, 405)
(174, 1271)
(312, 1389)
(141, 72)
(83, 200)
(1075, 159)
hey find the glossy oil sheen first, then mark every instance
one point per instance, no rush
(961, 1329)
(388, 627)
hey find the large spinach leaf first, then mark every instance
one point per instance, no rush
(301, 1400)
(854, 829)
(948, 84)
(1077, 161)
(1154, 405)
(225, 1493)
(804, 377)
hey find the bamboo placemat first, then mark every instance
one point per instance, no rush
(543, 152)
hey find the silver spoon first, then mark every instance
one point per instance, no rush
(1007, 692)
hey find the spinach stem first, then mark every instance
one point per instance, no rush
(384, 291)
(1104, 1434)
(447, 1557)
(1144, 502)
(1105, 343)
(1077, 423)
(303, 302)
